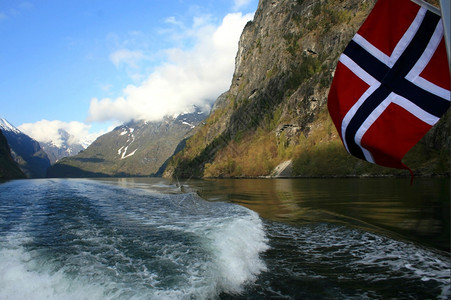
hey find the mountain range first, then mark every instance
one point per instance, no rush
(137, 148)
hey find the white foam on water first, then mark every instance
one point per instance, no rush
(196, 250)
(114, 242)
(237, 245)
(232, 244)
(23, 277)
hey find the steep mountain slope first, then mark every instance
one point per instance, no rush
(27, 152)
(275, 109)
(8, 167)
(133, 149)
(62, 148)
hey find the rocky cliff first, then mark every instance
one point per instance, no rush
(275, 109)
(8, 167)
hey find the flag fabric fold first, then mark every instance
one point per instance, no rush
(392, 83)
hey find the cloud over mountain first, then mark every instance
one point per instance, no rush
(194, 76)
(49, 132)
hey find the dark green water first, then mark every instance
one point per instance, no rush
(149, 238)
(418, 212)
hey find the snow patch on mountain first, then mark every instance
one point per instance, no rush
(122, 151)
(128, 155)
(6, 126)
(186, 123)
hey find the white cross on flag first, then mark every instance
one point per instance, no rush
(392, 82)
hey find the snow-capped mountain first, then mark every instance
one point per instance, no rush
(63, 147)
(137, 148)
(27, 152)
(6, 126)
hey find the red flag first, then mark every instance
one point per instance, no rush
(392, 82)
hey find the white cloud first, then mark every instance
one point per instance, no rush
(188, 77)
(127, 57)
(48, 131)
(172, 20)
(240, 3)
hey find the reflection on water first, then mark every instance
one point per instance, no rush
(418, 212)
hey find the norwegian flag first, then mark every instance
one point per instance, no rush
(392, 83)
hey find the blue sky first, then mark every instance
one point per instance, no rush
(87, 65)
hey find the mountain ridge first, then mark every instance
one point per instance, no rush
(136, 148)
(26, 152)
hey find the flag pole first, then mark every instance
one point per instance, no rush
(445, 9)
(444, 12)
(428, 6)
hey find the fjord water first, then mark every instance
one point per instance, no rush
(225, 239)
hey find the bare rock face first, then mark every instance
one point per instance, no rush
(284, 66)
(287, 56)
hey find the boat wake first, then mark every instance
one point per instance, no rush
(85, 240)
